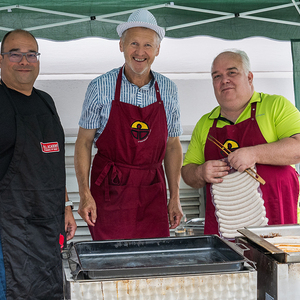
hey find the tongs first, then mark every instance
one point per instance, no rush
(250, 171)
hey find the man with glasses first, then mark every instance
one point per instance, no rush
(34, 220)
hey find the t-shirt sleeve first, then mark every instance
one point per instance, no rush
(278, 119)
(195, 152)
(287, 120)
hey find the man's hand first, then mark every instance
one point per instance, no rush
(175, 213)
(242, 158)
(70, 224)
(173, 163)
(87, 210)
(212, 171)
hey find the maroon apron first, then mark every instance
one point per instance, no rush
(127, 178)
(281, 191)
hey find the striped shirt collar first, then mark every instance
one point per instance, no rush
(144, 87)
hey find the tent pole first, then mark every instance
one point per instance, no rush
(295, 45)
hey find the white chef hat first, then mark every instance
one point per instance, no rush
(141, 18)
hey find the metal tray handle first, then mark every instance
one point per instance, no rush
(245, 248)
(70, 255)
(260, 241)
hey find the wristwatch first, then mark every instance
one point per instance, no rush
(69, 203)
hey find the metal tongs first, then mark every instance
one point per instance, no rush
(250, 171)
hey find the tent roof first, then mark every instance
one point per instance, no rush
(228, 19)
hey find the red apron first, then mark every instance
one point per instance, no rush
(281, 191)
(127, 178)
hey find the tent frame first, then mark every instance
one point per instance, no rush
(105, 18)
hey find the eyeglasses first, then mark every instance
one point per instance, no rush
(14, 56)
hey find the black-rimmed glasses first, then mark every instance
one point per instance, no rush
(15, 56)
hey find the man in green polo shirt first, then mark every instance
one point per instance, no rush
(259, 129)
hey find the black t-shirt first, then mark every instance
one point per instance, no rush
(26, 105)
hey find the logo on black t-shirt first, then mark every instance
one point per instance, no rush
(50, 147)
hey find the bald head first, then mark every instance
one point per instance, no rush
(18, 32)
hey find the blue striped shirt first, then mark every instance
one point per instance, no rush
(101, 91)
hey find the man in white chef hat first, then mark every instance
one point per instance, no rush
(132, 116)
(259, 129)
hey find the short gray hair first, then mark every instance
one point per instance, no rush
(242, 54)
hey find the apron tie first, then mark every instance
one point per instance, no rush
(116, 175)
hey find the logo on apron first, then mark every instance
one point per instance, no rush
(230, 145)
(140, 130)
(50, 147)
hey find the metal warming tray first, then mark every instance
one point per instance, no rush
(257, 235)
(153, 257)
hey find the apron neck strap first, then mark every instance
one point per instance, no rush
(157, 92)
(253, 110)
(118, 85)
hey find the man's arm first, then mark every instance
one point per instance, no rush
(70, 224)
(172, 163)
(283, 152)
(211, 171)
(82, 160)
